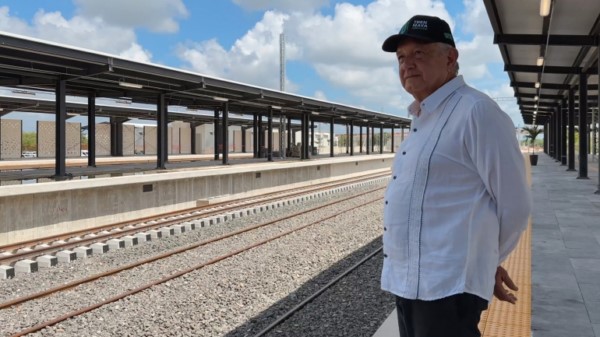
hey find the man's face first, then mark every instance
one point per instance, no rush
(424, 67)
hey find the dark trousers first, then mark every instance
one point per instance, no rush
(453, 316)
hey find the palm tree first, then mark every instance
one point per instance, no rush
(532, 133)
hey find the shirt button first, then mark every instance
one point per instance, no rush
(385, 228)
(403, 152)
(386, 202)
(394, 177)
(415, 130)
(384, 255)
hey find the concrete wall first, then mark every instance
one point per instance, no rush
(10, 138)
(46, 142)
(103, 139)
(32, 211)
(150, 139)
(128, 140)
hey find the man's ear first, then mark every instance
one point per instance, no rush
(452, 56)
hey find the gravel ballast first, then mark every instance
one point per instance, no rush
(235, 297)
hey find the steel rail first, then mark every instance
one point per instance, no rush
(99, 237)
(89, 279)
(316, 294)
(183, 272)
(108, 227)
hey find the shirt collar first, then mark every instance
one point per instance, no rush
(433, 101)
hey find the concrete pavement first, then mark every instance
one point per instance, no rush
(565, 251)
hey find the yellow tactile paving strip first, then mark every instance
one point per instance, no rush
(503, 319)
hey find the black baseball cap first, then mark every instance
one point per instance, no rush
(421, 27)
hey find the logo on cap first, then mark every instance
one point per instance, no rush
(419, 24)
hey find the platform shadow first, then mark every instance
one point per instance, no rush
(376, 296)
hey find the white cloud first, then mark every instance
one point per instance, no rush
(136, 53)
(282, 5)
(320, 95)
(475, 57)
(504, 95)
(253, 59)
(475, 19)
(94, 34)
(156, 15)
(12, 24)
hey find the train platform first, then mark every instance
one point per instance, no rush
(556, 265)
(37, 170)
(47, 207)
(41, 169)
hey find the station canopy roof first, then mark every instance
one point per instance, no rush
(30, 64)
(544, 56)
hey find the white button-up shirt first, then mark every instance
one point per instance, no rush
(458, 199)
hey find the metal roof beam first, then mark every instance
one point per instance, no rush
(556, 86)
(553, 86)
(545, 69)
(553, 40)
(542, 96)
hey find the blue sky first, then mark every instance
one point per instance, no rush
(333, 48)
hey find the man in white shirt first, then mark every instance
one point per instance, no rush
(458, 199)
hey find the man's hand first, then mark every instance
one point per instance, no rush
(500, 292)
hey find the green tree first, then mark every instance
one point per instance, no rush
(29, 141)
(342, 140)
(532, 132)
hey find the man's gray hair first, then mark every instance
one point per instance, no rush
(445, 48)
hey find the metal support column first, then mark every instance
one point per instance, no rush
(243, 138)
(282, 135)
(593, 130)
(193, 126)
(571, 140)
(60, 131)
(289, 134)
(372, 139)
(162, 124)
(305, 136)
(331, 137)
(583, 125)
(368, 139)
(558, 133)
(216, 129)
(381, 140)
(347, 138)
(352, 138)
(302, 136)
(255, 136)
(116, 136)
(552, 135)
(598, 120)
(393, 140)
(270, 134)
(312, 135)
(563, 132)
(360, 140)
(555, 135)
(91, 120)
(546, 142)
(262, 149)
(225, 133)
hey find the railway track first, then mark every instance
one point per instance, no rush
(283, 232)
(297, 310)
(101, 239)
